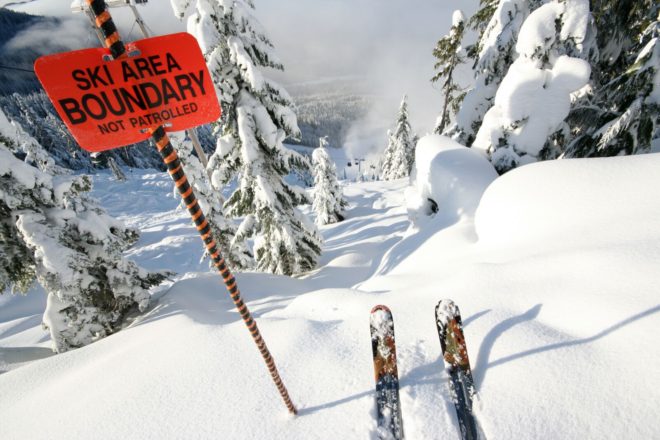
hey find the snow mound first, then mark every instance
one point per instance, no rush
(572, 200)
(448, 178)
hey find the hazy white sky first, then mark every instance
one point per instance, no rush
(388, 42)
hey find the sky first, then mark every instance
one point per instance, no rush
(385, 45)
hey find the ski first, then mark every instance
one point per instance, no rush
(388, 405)
(454, 352)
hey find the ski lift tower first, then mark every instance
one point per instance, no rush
(358, 162)
(81, 6)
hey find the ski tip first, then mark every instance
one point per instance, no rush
(381, 307)
(446, 307)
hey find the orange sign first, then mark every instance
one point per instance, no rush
(110, 103)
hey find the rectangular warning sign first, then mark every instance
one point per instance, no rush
(110, 103)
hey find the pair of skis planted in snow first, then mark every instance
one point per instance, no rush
(454, 351)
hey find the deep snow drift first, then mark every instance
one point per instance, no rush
(557, 285)
(450, 175)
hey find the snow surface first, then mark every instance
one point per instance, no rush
(595, 202)
(558, 293)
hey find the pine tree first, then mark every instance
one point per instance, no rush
(257, 117)
(211, 201)
(620, 115)
(386, 159)
(534, 98)
(400, 152)
(621, 25)
(328, 199)
(449, 55)
(496, 52)
(52, 231)
(116, 171)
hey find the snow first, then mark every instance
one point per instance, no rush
(452, 175)
(180, 7)
(495, 57)
(243, 60)
(5, 124)
(654, 60)
(575, 22)
(381, 327)
(584, 202)
(535, 95)
(555, 275)
(539, 31)
(200, 24)
(39, 236)
(501, 30)
(457, 18)
(23, 173)
(477, 101)
(539, 97)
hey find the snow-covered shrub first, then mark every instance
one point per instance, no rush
(534, 98)
(257, 117)
(400, 152)
(328, 199)
(448, 181)
(52, 231)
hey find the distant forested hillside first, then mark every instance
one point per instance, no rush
(11, 79)
(35, 113)
(330, 115)
(329, 107)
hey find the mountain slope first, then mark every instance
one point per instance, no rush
(561, 329)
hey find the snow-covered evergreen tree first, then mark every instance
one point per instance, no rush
(450, 54)
(479, 22)
(211, 201)
(52, 231)
(386, 160)
(400, 152)
(327, 195)
(257, 117)
(496, 53)
(620, 114)
(534, 98)
(116, 171)
(621, 25)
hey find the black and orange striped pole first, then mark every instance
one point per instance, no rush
(168, 153)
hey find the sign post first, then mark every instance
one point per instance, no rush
(124, 94)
